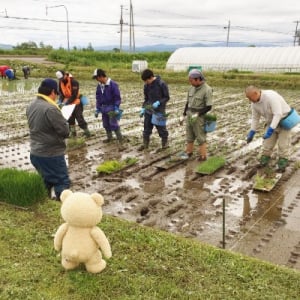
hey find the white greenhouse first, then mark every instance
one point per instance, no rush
(259, 59)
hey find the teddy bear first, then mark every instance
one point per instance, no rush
(79, 239)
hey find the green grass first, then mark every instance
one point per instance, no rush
(21, 188)
(118, 66)
(212, 164)
(146, 264)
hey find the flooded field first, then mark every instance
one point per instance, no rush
(178, 200)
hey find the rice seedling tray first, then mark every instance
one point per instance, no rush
(264, 182)
(211, 165)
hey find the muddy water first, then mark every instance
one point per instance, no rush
(178, 200)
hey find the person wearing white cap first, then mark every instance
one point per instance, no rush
(199, 102)
(69, 94)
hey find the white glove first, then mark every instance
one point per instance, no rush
(182, 119)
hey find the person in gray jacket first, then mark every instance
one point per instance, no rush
(272, 106)
(48, 131)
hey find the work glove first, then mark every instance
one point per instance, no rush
(97, 111)
(268, 133)
(250, 136)
(156, 104)
(117, 110)
(142, 112)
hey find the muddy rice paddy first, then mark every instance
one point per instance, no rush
(178, 200)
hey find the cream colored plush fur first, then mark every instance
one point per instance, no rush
(79, 238)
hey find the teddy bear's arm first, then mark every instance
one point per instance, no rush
(59, 235)
(100, 238)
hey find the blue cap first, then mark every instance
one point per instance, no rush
(50, 83)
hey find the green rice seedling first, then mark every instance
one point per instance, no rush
(21, 188)
(74, 143)
(111, 166)
(130, 161)
(265, 180)
(210, 117)
(212, 164)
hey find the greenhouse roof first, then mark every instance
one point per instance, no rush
(262, 59)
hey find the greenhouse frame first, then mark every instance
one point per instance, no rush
(255, 59)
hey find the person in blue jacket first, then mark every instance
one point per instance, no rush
(10, 74)
(156, 96)
(108, 100)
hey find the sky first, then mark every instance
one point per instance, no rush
(97, 22)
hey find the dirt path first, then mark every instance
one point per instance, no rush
(30, 59)
(178, 200)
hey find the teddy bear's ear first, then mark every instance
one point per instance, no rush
(98, 198)
(65, 194)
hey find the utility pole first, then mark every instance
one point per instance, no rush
(228, 32)
(131, 31)
(296, 34)
(67, 17)
(5, 11)
(121, 28)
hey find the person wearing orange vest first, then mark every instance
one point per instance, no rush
(69, 94)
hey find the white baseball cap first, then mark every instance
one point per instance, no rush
(59, 74)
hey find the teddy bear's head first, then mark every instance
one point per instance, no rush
(81, 209)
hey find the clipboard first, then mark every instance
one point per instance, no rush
(67, 111)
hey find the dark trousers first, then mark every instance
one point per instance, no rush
(148, 127)
(78, 115)
(54, 172)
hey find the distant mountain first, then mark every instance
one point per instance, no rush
(171, 48)
(159, 47)
(6, 47)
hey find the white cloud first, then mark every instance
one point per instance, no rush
(155, 21)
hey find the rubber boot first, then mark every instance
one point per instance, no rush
(202, 152)
(145, 145)
(73, 131)
(120, 139)
(189, 149)
(264, 160)
(282, 163)
(164, 143)
(119, 135)
(86, 132)
(109, 136)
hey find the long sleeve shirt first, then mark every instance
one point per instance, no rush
(198, 99)
(107, 96)
(48, 129)
(157, 90)
(271, 106)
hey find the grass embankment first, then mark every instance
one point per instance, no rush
(118, 66)
(146, 264)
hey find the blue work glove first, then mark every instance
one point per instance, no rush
(156, 104)
(142, 112)
(268, 133)
(97, 111)
(250, 136)
(117, 110)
